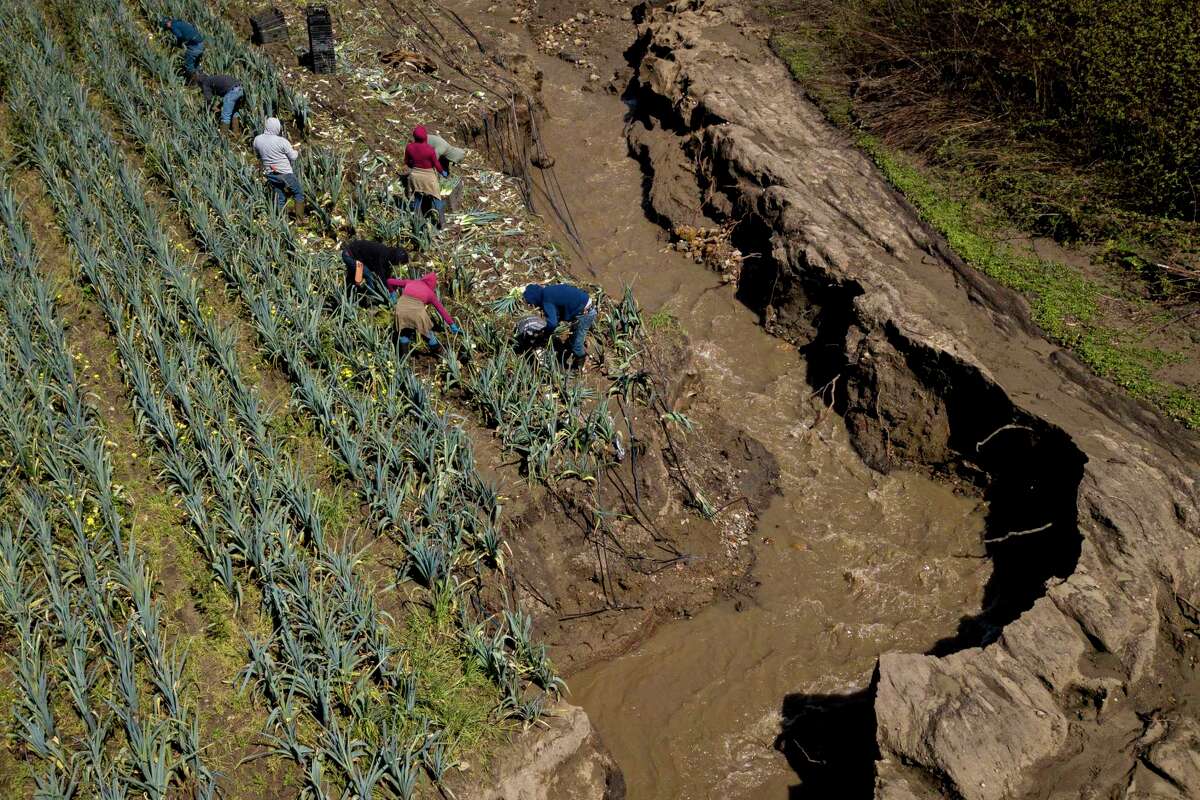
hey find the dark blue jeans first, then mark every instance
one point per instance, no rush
(430, 340)
(191, 56)
(438, 204)
(579, 328)
(285, 183)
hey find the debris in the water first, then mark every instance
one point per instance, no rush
(712, 248)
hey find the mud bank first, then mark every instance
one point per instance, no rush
(1079, 675)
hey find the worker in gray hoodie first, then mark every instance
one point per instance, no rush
(277, 155)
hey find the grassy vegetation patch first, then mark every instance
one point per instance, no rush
(1064, 302)
(450, 683)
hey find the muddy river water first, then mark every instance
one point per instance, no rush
(850, 563)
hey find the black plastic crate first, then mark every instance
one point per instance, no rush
(320, 38)
(269, 26)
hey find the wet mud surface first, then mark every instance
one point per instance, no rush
(850, 564)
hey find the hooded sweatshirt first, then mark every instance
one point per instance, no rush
(376, 256)
(275, 152)
(423, 289)
(558, 301)
(418, 154)
(446, 150)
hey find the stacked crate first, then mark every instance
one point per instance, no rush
(269, 26)
(320, 38)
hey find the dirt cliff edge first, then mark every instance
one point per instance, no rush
(1081, 674)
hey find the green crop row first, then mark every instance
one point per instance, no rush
(74, 587)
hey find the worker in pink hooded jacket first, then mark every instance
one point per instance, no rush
(409, 310)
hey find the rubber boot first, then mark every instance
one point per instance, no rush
(299, 212)
(235, 127)
(225, 131)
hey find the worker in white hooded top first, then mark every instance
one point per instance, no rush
(277, 155)
(447, 153)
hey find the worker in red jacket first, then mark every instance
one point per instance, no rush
(422, 161)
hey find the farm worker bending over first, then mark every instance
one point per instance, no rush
(561, 302)
(371, 262)
(447, 153)
(277, 155)
(423, 161)
(187, 37)
(229, 90)
(410, 308)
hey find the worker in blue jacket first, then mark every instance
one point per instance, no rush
(560, 303)
(187, 37)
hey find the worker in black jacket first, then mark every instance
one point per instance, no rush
(229, 90)
(370, 263)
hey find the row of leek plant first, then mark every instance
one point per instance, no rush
(330, 655)
(418, 545)
(74, 587)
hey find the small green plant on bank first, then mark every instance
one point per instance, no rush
(1063, 302)
(662, 320)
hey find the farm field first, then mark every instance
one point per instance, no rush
(250, 549)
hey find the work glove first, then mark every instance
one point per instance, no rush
(454, 328)
(446, 174)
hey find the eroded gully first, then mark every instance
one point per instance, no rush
(849, 563)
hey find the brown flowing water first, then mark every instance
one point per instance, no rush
(850, 563)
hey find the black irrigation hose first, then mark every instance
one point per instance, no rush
(637, 491)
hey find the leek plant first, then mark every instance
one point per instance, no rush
(96, 622)
(211, 434)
